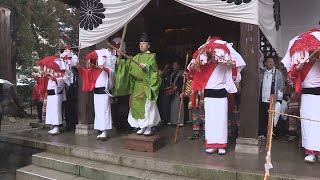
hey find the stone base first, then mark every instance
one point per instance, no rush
(144, 143)
(38, 125)
(84, 129)
(247, 145)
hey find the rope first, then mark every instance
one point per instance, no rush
(293, 116)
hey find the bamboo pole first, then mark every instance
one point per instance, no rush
(181, 103)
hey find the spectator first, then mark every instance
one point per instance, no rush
(270, 78)
(36, 97)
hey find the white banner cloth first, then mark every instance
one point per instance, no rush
(245, 12)
(99, 19)
(293, 21)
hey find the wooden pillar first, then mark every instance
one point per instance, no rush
(85, 100)
(7, 68)
(249, 107)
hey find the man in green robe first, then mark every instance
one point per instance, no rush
(142, 82)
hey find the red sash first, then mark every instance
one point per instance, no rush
(200, 78)
(89, 78)
(301, 75)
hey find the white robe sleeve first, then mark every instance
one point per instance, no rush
(238, 78)
(60, 85)
(111, 66)
(74, 60)
(230, 84)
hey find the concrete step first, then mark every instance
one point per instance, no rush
(33, 172)
(97, 170)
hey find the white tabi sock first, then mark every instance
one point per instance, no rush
(147, 131)
(103, 134)
(142, 130)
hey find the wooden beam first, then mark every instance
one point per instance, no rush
(249, 107)
(85, 99)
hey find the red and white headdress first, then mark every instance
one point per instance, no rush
(116, 43)
(51, 65)
(301, 47)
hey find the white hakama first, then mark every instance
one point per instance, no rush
(54, 103)
(102, 109)
(102, 102)
(216, 118)
(54, 109)
(151, 116)
(310, 129)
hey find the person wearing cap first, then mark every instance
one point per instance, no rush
(99, 77)
(144, 83)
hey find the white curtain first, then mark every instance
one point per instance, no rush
(245, 12)
(267, 23)
(99, 19)
(293, 23)
(95, 28)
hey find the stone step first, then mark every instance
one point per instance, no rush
(33, 172)
(97, 170)
(178, 168)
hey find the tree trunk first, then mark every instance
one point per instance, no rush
(6, 69)
(8, 60)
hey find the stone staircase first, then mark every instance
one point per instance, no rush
(80, 157)
(51, 166)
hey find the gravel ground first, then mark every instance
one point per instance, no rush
(12, 124)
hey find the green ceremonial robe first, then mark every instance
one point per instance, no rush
(140, 83)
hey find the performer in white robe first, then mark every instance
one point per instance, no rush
(217, 80)
(54, 104)
(104, 81)
(304, 71)
(310, 101)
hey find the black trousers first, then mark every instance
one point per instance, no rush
(263, 118)
(164, 110)
(119, 111)
(71, 107)
(39, 110)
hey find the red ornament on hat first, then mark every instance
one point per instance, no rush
(92, 57)
(212, 45)
(67, 47)
(116, 43)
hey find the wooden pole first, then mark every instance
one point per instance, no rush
(269, 137)
(79, 50)
(181, 103)
(123, 54)
(122, 41)
(270, 128)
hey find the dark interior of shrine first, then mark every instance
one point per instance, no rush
(176, 29)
